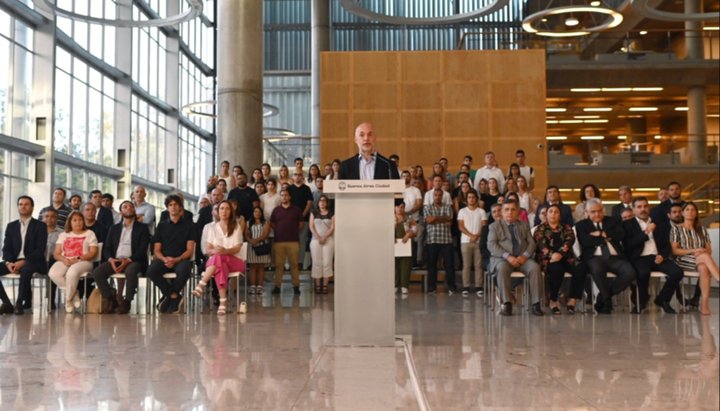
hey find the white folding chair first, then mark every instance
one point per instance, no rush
(687, 276)
(84, 276)
(237, 274)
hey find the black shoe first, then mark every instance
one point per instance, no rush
(27, 305)
(665, 305)
(556, 310)
(603, 306)
(123, 308)
(691, 303)
(536, 310)
(163, 304)
(6, 309)
(506, 309)
(571, 309)
(19, 309)
(175, 304)
(276, 290)
(112, 302)
(296, 290)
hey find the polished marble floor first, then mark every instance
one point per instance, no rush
(280, 356)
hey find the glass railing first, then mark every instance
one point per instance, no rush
(279, 150)
(648, 44)
(633, 150)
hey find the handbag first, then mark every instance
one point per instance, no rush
(262, 249)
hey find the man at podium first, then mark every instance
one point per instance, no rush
(367, 164)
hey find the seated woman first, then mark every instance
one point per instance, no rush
(224, 241)
(554, 253)
(75, 250)
(691, 246)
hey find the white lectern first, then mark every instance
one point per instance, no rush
(364, 260)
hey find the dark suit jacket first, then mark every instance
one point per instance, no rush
(105, 217)
(659, 214)
(635, 239)
(35, 242)
(140, 240)
(384, 169)
(589, 243)
(566, 214)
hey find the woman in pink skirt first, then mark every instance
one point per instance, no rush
(224, 241)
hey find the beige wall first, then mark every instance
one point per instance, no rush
(427, 105)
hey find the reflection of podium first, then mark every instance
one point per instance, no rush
(364, 260)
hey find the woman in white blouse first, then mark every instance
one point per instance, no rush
(224, 241)
(74, 252)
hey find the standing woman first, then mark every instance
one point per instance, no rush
(335, 170)
(256, 177)
(225, 174)
(555, 255)
(313, 173)
(510, 185)
(405, 229)
(266, 170)
(420, 175)
(492, 195)
(322, 247)
(74, 252)
(460, 200)
(258, 233)
(284, 175)
(691, 246)
(514, 171)
(587, 192)
(523, 192)
(224, 241)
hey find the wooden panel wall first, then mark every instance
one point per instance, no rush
(431, 104)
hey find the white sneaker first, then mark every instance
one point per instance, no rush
(404, 290)
(251, 290)
(76, 301)
(243, 308)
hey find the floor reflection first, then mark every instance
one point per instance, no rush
(279, 356)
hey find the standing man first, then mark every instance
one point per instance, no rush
(287, 221)
(107, 202)
(103, 215)
(488, 171)
(145, 211)
(58, 204)
(174, 245)
(599, 237)
(23, 253)
(525, 170)
(625, 196)
(660, 213)
(301, 197)
(368, 164)
(245, 197)
(124, 251)
(89, 212)
(647, 252)
(552, 196)
(75, 203)
(511, 249)
(471, 220)
(438, 217)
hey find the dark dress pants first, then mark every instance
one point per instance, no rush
(644, 266)
(556, 275)
(599, 267)
(157, 269)
(102, 275)
(26, 273)
(434, 253)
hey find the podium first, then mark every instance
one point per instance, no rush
(364, 260)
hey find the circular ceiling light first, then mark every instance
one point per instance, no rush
(614, 20)
(195, 109)
(572, 21)
(655, 14)
(354, 7)
(195, 8)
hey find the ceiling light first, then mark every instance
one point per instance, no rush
(595, 3)
(643, 108)
(713, 115)
(616, 89)
(597, 109)
(711, 28)
(555, 109)
(584, 90)
(570, 121)
(596, 121)
(658, 137)
(622, 137)
(643, 32)
(549, 117)
(551, 121)
(681, 109)
(556, 138)
(647, 89)
(586, 116)
(572, 21)
(592, 138)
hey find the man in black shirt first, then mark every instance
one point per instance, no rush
(173, 248)
(301, 197)
(245, 197)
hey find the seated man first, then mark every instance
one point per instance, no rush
(599, 237)
(23, 253)
(648, 250)
(173, 248)
(511, 249)
(125, 251)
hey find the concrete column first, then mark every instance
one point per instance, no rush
(320, 42)
(240, 82)
(696, 114)
(637, 130)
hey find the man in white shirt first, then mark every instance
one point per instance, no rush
(412, 197)
(488, 171)
(525, 170)
(471, 220)
(437, 185)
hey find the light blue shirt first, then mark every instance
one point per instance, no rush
(367, 168)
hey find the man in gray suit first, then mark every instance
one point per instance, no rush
(512, 248)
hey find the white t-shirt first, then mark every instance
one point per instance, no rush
(473, 221)
(428, 200)
(268, 203)
(75, 245)
(410, 196)
(487, 173)
(216, 237)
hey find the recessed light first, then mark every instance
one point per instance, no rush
(585, 89)
(597, 109)
(595, 3)
(643, 32)
(622, 137)
(586, 116)
(658, 137)
(572, 21)
(603, 120)
(711, 28)
(551, 121)
(643, 109)
(616, 89)
(592, 138)
(647, 89)
(555, 109)
(681, 109)
(570, 121)
(556, 138)
(713, 115)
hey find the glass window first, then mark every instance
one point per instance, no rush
(16, 76)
